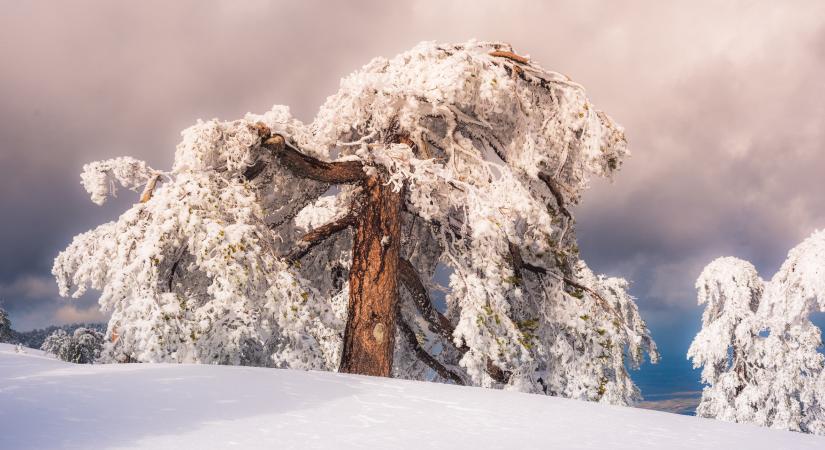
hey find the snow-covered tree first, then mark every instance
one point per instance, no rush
(272, 242)
(732, 290)
(35, 338)
(758, 345)
(5, 326)
(81, 347)
(793, 395)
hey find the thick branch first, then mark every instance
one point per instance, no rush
(554, 189)
(532, 78)
(319, 235)
(408, 276)
(451, 231)
(305, 166)
(511, 56)
(422, 354)
(254, 170)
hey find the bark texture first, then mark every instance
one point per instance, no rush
(369, 336)
(314, 169)
(319, 235)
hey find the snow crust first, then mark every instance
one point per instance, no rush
(47, 403)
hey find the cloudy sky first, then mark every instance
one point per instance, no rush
(723, 105)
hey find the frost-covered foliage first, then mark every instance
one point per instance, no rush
(101, 178)
(192, 274)
(83, 346)
(758, 347)
(490, 152)
(5, 326)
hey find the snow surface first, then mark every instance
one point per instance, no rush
(47, 403)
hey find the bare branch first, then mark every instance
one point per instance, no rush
(519, 264)
(301, 164)
(422, 355)
(451, 230)
(319, 235)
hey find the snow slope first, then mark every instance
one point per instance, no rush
(46, 403)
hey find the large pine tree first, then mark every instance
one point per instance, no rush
(5, 326)
(273, 242)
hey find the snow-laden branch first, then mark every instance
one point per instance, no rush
(412, 282)
(101, 178)
(409, 335)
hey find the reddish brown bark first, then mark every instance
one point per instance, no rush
(149, 189)
(319, 235)
(511, 56)
(314, 169)
(369, 336)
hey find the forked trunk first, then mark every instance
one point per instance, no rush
(369, 336)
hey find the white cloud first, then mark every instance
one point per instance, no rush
(71, 314)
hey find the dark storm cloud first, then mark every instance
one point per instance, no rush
(728, 160)
(722, 104)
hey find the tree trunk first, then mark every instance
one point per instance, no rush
(369, 336)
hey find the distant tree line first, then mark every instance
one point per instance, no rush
(77, 342)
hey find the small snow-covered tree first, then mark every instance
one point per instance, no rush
(81, 347)
(55, 342)
(758, 345)
(5, 326)
(272, 242)
(792, 384)
(732, 290)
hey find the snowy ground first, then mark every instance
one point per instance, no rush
(45, 403)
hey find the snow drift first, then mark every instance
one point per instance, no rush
(48, 403)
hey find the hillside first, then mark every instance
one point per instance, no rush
(47, 403)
